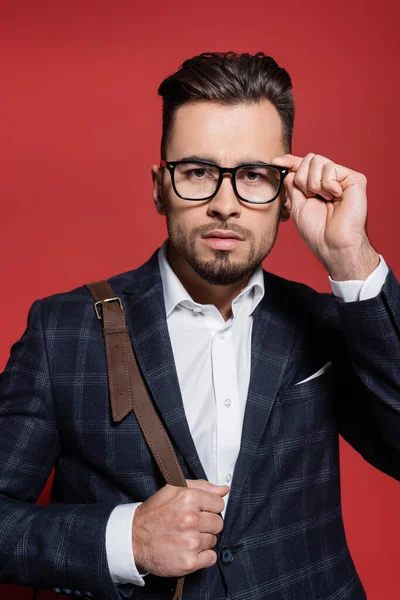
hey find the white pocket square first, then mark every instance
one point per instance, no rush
(317, 374)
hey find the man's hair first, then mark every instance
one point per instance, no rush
(228, 78)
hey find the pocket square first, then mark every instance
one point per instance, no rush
(317, 374)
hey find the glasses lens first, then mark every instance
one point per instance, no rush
(195, 180)
(257, 184)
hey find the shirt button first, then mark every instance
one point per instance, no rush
(227, 556)
(228, 478)
(196, 310)
(228, 403)
(222, 335)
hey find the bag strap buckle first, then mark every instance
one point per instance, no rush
(97, 304)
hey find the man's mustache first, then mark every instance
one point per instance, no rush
(223, 226)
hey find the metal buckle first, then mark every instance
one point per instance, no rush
(96, 304)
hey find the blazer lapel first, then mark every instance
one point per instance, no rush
(146, 318)
(272, 340)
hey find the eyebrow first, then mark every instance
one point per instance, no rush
(210, 159)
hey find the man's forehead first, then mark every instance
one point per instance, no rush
(237, 132)
(230, 157)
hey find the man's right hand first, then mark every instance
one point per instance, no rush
(174, 530)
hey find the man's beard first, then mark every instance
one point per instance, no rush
(220, 270)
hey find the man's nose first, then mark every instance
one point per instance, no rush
(225, 204)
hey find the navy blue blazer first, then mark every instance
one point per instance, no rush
(283, 535)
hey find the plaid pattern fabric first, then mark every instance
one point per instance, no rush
(283, 531)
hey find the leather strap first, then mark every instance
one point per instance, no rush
(128, 390)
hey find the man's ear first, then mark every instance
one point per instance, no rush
(156, 175)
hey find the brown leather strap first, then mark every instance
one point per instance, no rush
(128, 390)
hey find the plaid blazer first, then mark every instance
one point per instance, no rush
(283, 535)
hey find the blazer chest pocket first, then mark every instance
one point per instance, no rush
(317, 389)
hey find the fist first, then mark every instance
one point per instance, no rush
(174, 531)
(328, 205)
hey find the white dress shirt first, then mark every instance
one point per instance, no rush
(209, 353)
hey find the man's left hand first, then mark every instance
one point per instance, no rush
(333, 228)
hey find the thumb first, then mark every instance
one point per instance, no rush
(206, 486)
(288, 183)
(294, 195)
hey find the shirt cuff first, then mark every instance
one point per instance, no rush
(121, 562)
(354, 290)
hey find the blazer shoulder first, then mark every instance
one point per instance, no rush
(64, 305)
(294, 288)
(294, 296)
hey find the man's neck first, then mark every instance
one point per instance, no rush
(201, 291)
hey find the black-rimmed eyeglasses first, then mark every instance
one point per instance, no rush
(256, 183)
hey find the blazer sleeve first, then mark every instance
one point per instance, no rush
(368, 371)
(56, 546)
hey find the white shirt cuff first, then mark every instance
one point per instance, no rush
(354, 290)
(121, 562)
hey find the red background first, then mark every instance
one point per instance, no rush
(81, 128)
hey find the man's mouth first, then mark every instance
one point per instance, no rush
(224, 234)
(222, 239)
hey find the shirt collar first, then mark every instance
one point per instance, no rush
(175, 294)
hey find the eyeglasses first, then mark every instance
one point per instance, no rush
(200, 180)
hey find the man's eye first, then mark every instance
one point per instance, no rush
(200, 173)
(250, 176)
(197, 172)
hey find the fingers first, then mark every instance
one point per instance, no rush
(206, 559)
(210, 523)
(202, 484)
(294, 195)
(287, 160)
(314, 175)
(199, 553)
(188, 523)
(207, 541)
(210, 502)
(329, 179)
(201, 496)
(206, 486)
(193, 561)
(206, 556)
(222, 490)
(302, 175)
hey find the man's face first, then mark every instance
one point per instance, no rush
(228, 136)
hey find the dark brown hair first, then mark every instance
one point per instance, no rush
(229, 78)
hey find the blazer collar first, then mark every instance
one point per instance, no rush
(273, 334)
(142, 296)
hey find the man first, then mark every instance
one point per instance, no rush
(254, 376)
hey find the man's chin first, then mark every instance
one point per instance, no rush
(222, 274)
(230, 255)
